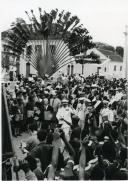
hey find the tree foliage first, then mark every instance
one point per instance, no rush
(54, 24)
(90, 58)
(105, 46)
(120, 50)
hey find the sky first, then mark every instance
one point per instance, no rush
(104, 19)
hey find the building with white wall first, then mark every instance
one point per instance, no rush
(8, 61)
(111, 63)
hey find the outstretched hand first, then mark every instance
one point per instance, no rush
(25, 166)
(62, 134)
(85, 141)
(56, 135)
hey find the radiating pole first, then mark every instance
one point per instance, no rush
(125, 59)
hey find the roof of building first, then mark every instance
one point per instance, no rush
(113, 56)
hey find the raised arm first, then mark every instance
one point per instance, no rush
(82, 161)
(121, 137)
(68, 145)
(52, 169)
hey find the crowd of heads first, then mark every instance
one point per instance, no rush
(91, 138)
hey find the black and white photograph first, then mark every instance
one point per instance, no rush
(64, 83)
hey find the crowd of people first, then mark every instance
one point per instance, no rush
(77, 127)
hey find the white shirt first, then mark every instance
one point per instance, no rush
(80, 111)
(103, 113)
(30, 175)
(107, 112)
(112, 100)
(111, 115)
(42, 82)
(118, 96)
(65, 113)
(106, 93)
(55, 103)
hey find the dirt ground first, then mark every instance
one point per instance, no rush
(19, 154)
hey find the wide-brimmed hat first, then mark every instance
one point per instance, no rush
(119, 88)
(105, 101)
(81, 98)
(64, 101)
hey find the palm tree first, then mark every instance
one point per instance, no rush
(70, 38)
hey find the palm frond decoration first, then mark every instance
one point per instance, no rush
(59, 35)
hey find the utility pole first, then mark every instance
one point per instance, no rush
(125, 58)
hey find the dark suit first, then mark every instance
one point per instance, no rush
(48, 108)
(43, 151)
(46, 122)
(97, 111)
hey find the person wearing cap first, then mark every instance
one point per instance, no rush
(106, 91)
(124, 101)
(64, 117)
(90, 121)
(25, 98)
(55, 102)
(97, 107)
(34, 95)
(48, 114)
(119, 94)
(81, 111)
(111, 98)
(112, 114)
(104, 113)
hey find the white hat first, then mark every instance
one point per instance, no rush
(81, 98)
(105, 101)
(64, 101)
(94, 85)
(46, 92)
(87, 100)
(106, 138)
(53, 92)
